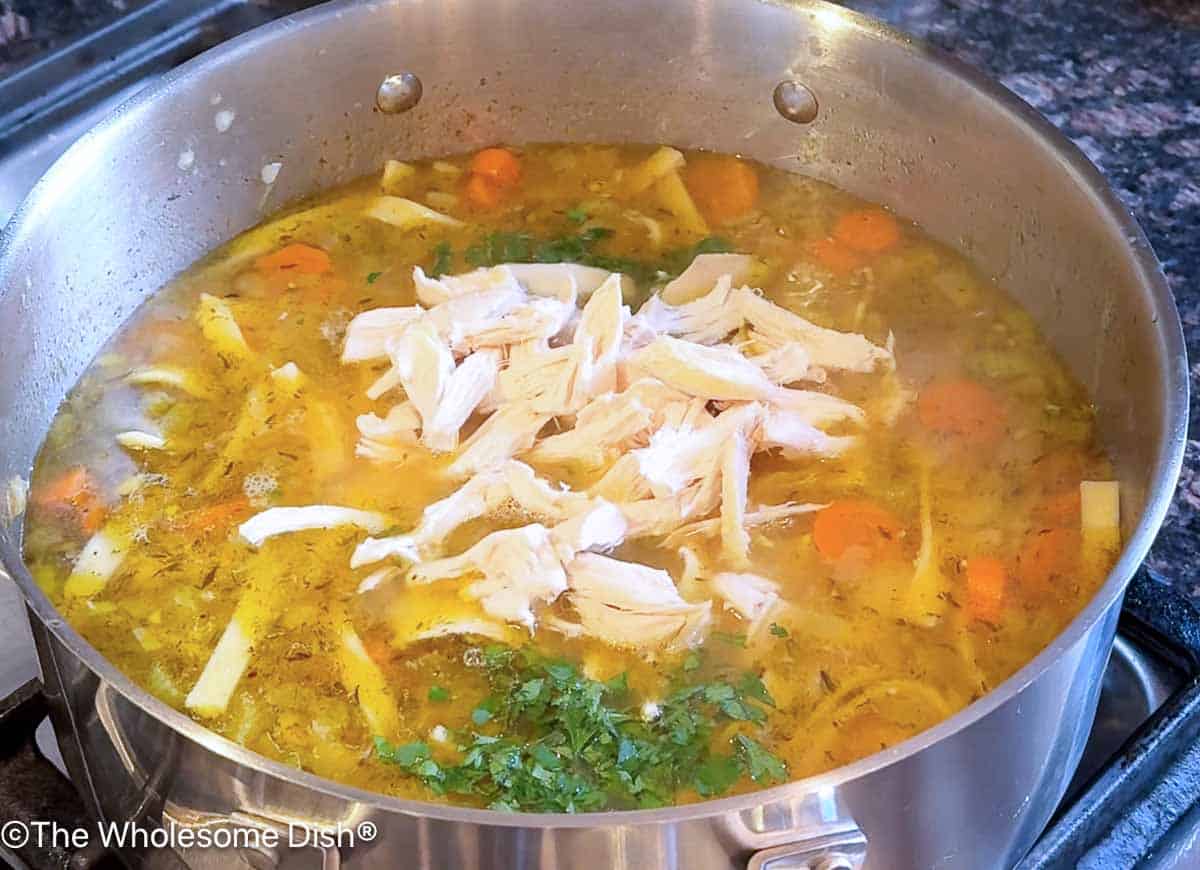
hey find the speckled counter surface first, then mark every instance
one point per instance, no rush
(1121, 78)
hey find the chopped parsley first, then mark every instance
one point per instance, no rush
(443, 260)
(577, 247)
(576, 215)
(439, 693)
(373, 277)
(738, 640)
(562, 742)
(778, 630)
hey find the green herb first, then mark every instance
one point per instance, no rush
(481, 715)
(439, 693)
(738, 640)
(405, 755)
(562, 742)
(518, 247)
(716, 774)
(758, 762)
(443, 260)
(778, 630)
(373, 277)
(691, 662)
(576, 215)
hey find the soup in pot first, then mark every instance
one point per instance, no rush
(569, 478)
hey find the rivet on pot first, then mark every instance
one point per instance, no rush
(795, 102)
(398, 93)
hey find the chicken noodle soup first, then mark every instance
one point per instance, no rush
(572, 478)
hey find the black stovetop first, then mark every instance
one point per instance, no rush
(1136, 799)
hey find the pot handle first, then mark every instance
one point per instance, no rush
(843, 850)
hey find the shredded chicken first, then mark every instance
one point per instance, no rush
(388, 438)
(509, 431)
(752, 597)
(512, 483)
(434, 291)
(470, 382)
(608, 423)
(775, 326)
(424, 364)
(710, 372)
(707, 319)
(787, 364)
(600, 527)
(760, 516)
(796, 436)
(632, 605)
(368, 333)
(667, 407)
(282, 520)
(519, 568)
(553, 279)
(705, 271)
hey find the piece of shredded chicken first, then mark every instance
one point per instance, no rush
(632, 605)
(513, 483)
(663, 411)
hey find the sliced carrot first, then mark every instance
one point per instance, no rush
(723, 187)
(1048, 557)
(964, 408)
(835, 256)
(499, 166)
(65, 488)
(870, 230)
(73, 494)
(987, 581)
(216, 516)
(296, 257)
(858, 523)
(482, 193)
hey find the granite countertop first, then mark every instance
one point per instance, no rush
(1122, 79)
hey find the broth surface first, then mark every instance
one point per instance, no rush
(946, 546)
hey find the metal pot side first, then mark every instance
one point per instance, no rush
(165, 180)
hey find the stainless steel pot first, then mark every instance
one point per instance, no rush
(179, 170)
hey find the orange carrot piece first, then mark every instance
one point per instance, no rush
(870, 230)
(858, 523)
(987, 582)
(73, 493)
(723, 187)
(498, 166)
(835, 256)
(482, 193)
(297, 257)
(964, 408)
(1048, 557)
(65, 488)
(215, 516)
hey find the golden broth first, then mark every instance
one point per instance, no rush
(848, 669)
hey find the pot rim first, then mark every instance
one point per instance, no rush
(1166, 468)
